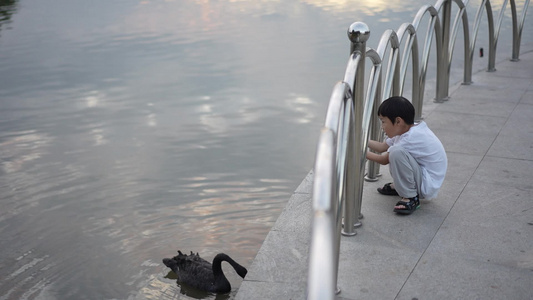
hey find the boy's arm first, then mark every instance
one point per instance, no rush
(382, 159)
(379, 147)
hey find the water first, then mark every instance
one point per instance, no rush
(131, 129)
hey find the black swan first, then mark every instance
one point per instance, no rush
(199, 273)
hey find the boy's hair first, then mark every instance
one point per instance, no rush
(397, 106)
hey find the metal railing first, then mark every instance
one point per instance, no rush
(350, 119)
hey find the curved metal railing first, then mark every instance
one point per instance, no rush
(340, 159)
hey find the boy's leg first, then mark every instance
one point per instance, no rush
(405, 172)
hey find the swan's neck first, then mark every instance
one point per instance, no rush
(220, 278)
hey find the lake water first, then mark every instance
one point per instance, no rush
(130, 129)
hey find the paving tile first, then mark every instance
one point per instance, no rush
(271, 290)
(447, 276)
(484, 249)
(360, 266)
(464, 132)
(296, 216)
(510, 141)
(306, 186)
(528, 96)
(284, 249)
(473, 100)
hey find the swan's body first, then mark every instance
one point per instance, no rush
(201, 274)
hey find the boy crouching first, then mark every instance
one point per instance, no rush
(416, 156)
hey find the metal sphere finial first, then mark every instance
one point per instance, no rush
(358, 32)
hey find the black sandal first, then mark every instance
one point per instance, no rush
(387, 190)
(408, 207)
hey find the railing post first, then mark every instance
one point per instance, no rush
(518, 26)
(358, 33)
(516, 35)
(375, 134)
(443, 78)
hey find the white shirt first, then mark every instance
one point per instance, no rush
(428, 151)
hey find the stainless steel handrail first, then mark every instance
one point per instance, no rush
(323, 266)
(350, 119)
(329, 183)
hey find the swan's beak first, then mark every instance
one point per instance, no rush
(242, 272)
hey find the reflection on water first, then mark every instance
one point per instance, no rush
(7, 9)
(132, 129)
(366, 8)
(195, 293)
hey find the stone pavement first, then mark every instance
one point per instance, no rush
(475, 241)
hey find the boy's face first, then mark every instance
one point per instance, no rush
(391, 129)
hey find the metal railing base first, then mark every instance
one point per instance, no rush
(372, 179)
(348, 233)
(337, 290)
(441, 100)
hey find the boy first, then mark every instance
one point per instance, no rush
(416, 156)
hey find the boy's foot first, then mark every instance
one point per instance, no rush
(407, 206)
(388, 189)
